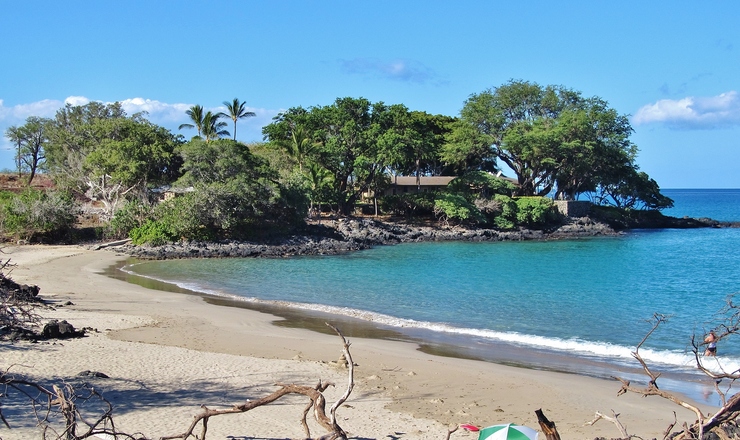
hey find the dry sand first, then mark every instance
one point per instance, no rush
(168, 353)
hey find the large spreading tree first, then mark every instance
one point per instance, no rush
(98, 150)
(551, 137)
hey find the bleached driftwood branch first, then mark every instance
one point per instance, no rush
(315, 395)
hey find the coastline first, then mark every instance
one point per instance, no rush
(188, 347)
(335, 236)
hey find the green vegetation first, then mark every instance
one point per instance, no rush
(321, 158)
(36, 213)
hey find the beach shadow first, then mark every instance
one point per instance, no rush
(389, 437)
(132, 396)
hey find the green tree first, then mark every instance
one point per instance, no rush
(235, 190)
(213, 127)
(594, 140)
(632, 189)
(300, 146)
(348, 136)
(197, 116)
(31, 139)
(319, 184)
(514, 123)
(237, 110)
(97, 150)
(413, 143)
(551, 137)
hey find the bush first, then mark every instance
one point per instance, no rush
(411, 204)
(534, 211)
(454, 207)
(152, 232)
(132, 215)
(188, 216)
(33, 212)
(507, 217)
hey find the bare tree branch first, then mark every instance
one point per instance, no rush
(614, 419)
(315, 395)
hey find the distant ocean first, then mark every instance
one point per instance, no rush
(570, 305)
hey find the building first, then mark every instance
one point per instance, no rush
(409, 184)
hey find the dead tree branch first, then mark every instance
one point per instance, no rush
(729, 324)
(548, 427)
(652, 388)
(57, 413)
(314, 394)
(614, 419)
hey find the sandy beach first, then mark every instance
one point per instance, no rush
(168, 353)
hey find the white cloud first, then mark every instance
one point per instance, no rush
(76, 100)
(693, 112)
(18, 113)
(155, 109)
(399, 70)
(167, 115)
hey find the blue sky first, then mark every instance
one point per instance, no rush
(673, 66)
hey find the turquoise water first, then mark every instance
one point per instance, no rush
(584, 299)
(718, 204)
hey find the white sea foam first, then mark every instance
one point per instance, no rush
(574, 346)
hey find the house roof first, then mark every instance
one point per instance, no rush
(423, 180)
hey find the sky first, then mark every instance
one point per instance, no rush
(673, 67)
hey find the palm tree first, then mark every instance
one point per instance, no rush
(237, 110)
(196, 115)
(212, 127)
(319, 178)
(300, 146)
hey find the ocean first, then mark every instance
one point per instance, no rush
(579, 306)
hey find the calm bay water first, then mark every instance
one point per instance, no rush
(585, 300)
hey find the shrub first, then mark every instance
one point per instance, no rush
(132, 215)
(507, 217)
(35, 212)
(454, 207)
(534, 211)
(411, 204)
(152, 232)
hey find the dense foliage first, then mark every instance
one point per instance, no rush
(553, 139)
(359, 143)
(34, 213)
(334, 157)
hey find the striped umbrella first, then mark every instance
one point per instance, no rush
(508, 431)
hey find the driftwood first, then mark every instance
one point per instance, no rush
(18, 306)
(730, 409)
(315, 395)
(613, 419)
(57, 413)
(652, 388)
(548, 427)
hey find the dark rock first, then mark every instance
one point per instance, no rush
(19, 292)
(89, 373)
(343, 235)
(60, 330)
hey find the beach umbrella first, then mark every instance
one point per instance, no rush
(508, 431)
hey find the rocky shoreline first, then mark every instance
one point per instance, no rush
(332, 237)
(336, 236)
